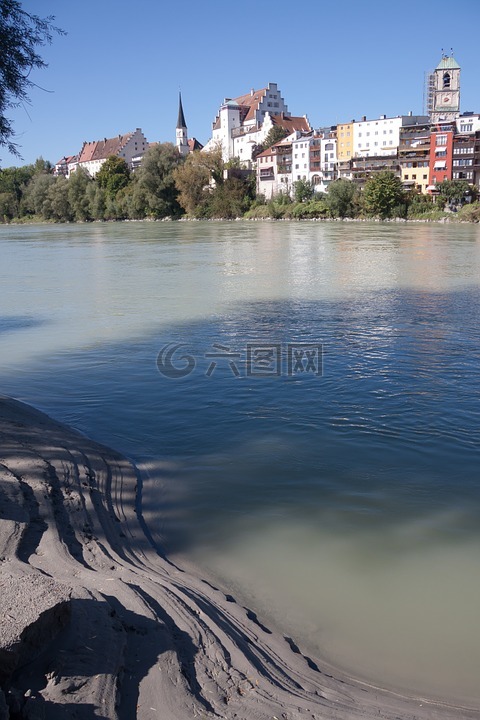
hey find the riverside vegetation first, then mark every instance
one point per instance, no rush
(203, 186)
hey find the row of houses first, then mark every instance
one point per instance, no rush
(422, 150)
(420, 153)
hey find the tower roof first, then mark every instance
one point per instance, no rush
(448, 62)
(181, 117)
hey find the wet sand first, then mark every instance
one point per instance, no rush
(97, 623)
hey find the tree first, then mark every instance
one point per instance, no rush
(340, 198)
(303, 191)
(453, 191)
(21, 33)
(275, 134)
(113, 175)
(195, 180)
(156, 183)
(78, 198)
(383, 194)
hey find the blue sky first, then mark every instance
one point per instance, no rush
(121, 64)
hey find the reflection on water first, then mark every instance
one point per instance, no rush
(343, 508)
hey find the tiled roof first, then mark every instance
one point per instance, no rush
(266, 153)
(66, 159)
(193, 144)
(86, 153)
(102, 149)
(250, 102)
(291, 123)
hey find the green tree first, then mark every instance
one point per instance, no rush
(275, 134)
(78, 198)
(195, 180)
(303, 191)
(453, 191)
(383, 194)
(34, 200)
(156, 182)
(58, 202)
(113, 175)
(230, 199)
(340, 198)
(14, 181)
(21, 34)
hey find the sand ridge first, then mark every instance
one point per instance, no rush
(121, 632)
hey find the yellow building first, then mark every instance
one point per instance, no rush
(345, 141)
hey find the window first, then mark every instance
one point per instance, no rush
(359, 134)
(441, 140)
(425, 177)
(466, 128)
(406, 177)
(414, 177)
(446, 80)
(368, 134)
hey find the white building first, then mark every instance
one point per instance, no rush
(244, 122)
(129, 146)
(468, 123)
(309, 156)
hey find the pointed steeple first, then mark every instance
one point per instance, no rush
(181, 117)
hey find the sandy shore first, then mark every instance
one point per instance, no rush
(97, 623)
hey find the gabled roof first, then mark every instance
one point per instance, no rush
(66, 159)
(193, 144)
(448, 63)
(102, 149)
(250, 101)
(266, 153)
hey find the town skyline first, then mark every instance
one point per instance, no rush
(358, 64)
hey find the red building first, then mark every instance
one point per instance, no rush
(441, 154)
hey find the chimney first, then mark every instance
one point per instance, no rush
(252, 91)
(410, 113)
(364, 118)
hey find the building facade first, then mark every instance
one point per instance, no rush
(129, 146)
(244, 122)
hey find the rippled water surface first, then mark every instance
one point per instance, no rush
(343, 508)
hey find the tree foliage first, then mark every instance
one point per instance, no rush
(21, 33)
(340, 198)
(303, 191)
(383, 194)
(274, 135)
(196, 179)
(453, 191)
(113, 175)
(156, 188)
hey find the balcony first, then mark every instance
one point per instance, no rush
(284, 168)
(238, 132)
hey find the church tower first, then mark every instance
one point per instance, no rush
(446, 90)
(181, 132)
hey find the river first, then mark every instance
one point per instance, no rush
(305, 400)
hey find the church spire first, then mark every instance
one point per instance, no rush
(181, 117)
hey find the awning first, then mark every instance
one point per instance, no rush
(440, 164)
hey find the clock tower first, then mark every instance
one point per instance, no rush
(446, 90)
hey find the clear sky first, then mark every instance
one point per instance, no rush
(121, 64)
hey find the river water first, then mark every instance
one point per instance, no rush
(319, 455)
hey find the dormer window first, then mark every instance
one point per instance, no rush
(446, 80)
